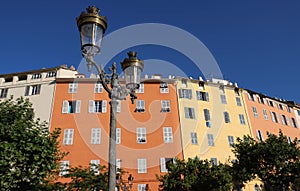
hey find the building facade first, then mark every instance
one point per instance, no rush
(171, 118)
(36, 85)
(269, 115)
(148, 131)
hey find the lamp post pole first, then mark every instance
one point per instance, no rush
(92, 27)
(112, 133)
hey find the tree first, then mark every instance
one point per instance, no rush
(195, 175)
(275, 161)
(29, 152)
(87, 178)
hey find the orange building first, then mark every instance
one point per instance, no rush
(269, 115)
(148, 131)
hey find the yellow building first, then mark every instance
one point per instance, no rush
(212, 117)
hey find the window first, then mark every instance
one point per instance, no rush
(223, 99)
(118, 106)
(259, 99)
(185, 93)
(230, 141)
(142, 166)
(33, 90)
(118, 136)
(236, 92)
(264, 101)
(64, 167)
(168, 135)
(250, 97)
(238, 101)
(254, 111)
(3, 92)
(164, 164)
(140, 106)
(194, 138)
(68, 136)
(118, 165)
(140, 89)
(189, 113)
(222, 90)
(294, 124)
(242, 119)
(141, 135)
(226, 117)
(201, 85)
(94, 166)
(298, 111)
(36, 76)
(274, 117)
(184, 83)
(98, 87)
(206, 115)
(97, 106)
(165, 105)
(284, 120)
(265, 114)
(280, 106)
(214, 161)
(259, 135)
(271, 103)
(142, 187)
(96, 136)
(164, 87)
(289, 140)
(73, 87)
(210, 138)
(71, 106)
(289, 110)
(203, 96)
(51, 74)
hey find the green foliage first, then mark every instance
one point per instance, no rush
(275, 161)
(195, 175)
(86, 178)
(29, 153)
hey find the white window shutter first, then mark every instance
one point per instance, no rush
(207, 96)
(180, 93)
(91, 106)
(78, 104)
(104, 104)
(163, 165)
(71, 134)
(65, 106)
(190, 94)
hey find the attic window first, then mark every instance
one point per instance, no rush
(23, 77)
(8, 79)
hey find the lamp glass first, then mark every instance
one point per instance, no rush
(132, 75)
(91, 35)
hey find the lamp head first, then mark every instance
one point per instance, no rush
(91, 27)
(132, 68)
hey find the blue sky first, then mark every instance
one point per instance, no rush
(255, 43)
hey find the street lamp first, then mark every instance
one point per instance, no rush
(92, 27)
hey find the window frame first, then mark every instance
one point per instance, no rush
(96, 136)
(142, 165)
(168, 135)
(68, 137)
(141, 135)
(194, 138)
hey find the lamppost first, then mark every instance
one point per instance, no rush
(92, 27)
